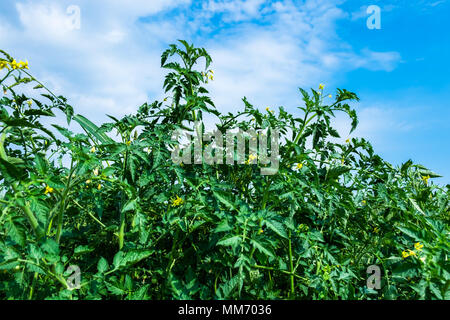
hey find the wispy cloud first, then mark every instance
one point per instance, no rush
(261, 49)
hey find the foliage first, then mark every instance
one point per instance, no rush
(140, 226)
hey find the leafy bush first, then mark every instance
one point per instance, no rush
(139, 226)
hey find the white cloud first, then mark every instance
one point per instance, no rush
(434, 4)
(235, 10)
(375, 61)
(381, 119)
(111, 65)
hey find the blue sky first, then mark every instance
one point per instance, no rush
(261, 49)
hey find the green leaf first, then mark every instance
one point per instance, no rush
(405, 166)
(114, 289)
(102, 265)
(230, 241)
(10, 171)
(51, 247)
(416, 206)
(16, 232)
(125, 259)
(228, 287)
(38, 112)
(277, 227)
(223, 227)
(140, 294)
(92, 129)
(426, 172)
(415, 235)
(82, 249)
(435, 290)
(262, 248)
(129, 206)
(224, 200)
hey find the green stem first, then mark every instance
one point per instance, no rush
(263, 207)
(122, 214)
(30, 296)
(53, 274)
(282, 271)
(33, 222)
(31, 218)
(291, 265)
(63, 204)
(299, 135)
(122, 230)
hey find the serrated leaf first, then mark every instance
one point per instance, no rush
(277, 227)
(125, 259)
(262, 248)
(224, 200)
(230, 241)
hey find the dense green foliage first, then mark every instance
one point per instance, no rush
(140, 226)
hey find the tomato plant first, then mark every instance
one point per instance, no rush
(138, 226)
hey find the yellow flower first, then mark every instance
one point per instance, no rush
(330, 96)
(364, 202)
(23, 65)
(405, 254)
(99, 186)
(3, 65)
(411, 253)
(88, 181)
(95, 172)
(177, 201)
(30, 102)
(260, 231)
(418, 246)
(48, 189)
(14, 64)
(267, 109)
(321, 86)
(347, 141)
(343, 161)
(128, 143)
(251, 157)
(299, 165)
(425, 179)
(93, 149)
